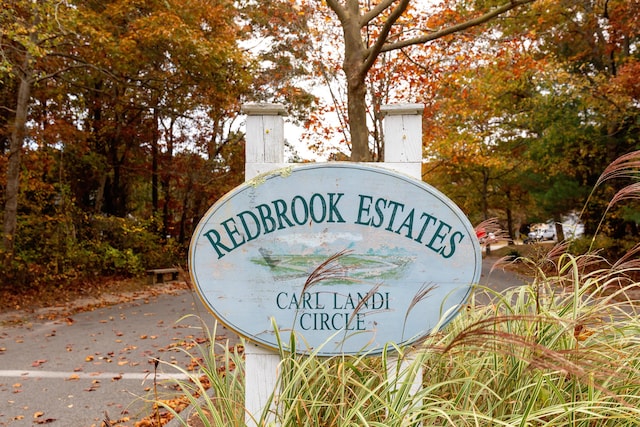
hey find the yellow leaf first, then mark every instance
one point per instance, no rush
(581, 332)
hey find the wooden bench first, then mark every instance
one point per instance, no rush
(159, 275)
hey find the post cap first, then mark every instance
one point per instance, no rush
(402, 109)
(263, 109)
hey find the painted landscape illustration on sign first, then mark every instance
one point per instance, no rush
(284, 264)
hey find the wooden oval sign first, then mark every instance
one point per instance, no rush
(348, 257)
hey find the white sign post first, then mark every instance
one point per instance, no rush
(264, 152)
(252, 252)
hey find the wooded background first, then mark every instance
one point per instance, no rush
(120, 120)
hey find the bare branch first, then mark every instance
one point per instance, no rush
(512, 4)
(338, 9)
(373, 13)
(78, 63)
(374, 51)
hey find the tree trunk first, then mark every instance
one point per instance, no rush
(485, 194)
(18, 132)
(354, 55)
(155, 136)
(559, 231)
(356, 98)
(510, 225)
(166, 183)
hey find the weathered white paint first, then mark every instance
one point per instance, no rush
(264, 133)
(402, 127)
(264, 152)
(261, 377)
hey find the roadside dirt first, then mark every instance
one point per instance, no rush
(59, 302)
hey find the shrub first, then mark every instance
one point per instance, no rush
(54, 250)
(608, 247)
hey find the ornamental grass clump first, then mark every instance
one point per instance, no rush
(562, 350)
(213, 390)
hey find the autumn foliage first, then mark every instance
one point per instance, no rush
(120, 125)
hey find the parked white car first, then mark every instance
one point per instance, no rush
(543, 232)
(547, 231)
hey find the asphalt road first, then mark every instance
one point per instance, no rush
(72, 371)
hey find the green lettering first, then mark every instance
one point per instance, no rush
(281, 213)
(348, 303)
(245, 225)
(335, 301)
(324, 321)
(306, 300)
(312, 206)
(333, 207)
(303, 317)
(333, 321)
(439, 236)
(379, 202)
(429, 218)
(408, 223)
(360, 322)
(362, 209)
(280, 306)
(232, 232)
(395, 205)
(294, 212)
(452, 241)
(268, 223)
(214, 238)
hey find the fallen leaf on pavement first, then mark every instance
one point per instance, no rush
(95, 384)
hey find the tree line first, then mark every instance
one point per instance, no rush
(120, 124)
